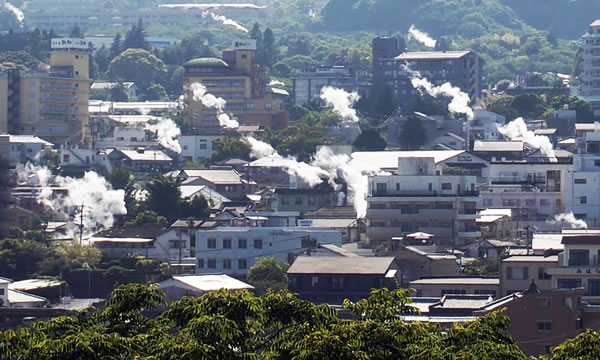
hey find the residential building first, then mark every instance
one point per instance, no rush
(238, 79)
(304, 200)
(516, 272)
(151, 242)
(449, 141)
(198, 145)
(496, 224)
(463, 69)
(25, 148)
(499, 150)
(420, 198)
(333, 279)
(307, 84)
(179, 286)
(130, 87)
(440, 286)
(578, 265)
(52, 104)
(18, 299)
(141, 160)
(484, 125)
(228, 183)
(7, 182)
(434, 125)
(590, 66)
(582, 185)
(234, 249)
(424, 261)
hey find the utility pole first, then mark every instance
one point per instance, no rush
(81, 226)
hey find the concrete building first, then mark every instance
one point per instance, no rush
(440, 286)
(233, 250)
(53, 103)
(582, 184)
(141, 160)
(484, 125)
(228, 183)
(199, 146)
(420, 198)
(238, 79)
(7, 182)
(307, 85)
(25, 148)
(516, 272)
(463, 69)
(590, 66)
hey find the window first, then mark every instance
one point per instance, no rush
(244, 56)
(544, 326)
(579, 257)
(258, 243)
(299, 200)
(212, 263)
(453, 292)
(66, 158)
(530, 202)
(593, 287)
(517, 273)
(315, 281)
(202, 146)
(544, 303)
(583, 199)
(544, 202)
(268, 106)
(446, 186)
(242, 264)
(211, 243)
(201, 263)
(242, 243)
(226, 263)
(397, 186)
(569, 283)
(580, 181)
(542, 275)
(226, 243)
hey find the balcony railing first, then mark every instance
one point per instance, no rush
(424, 193)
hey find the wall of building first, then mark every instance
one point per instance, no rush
(197, 147)
(535, 271)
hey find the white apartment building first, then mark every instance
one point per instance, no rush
(233, 250)
(420, 199)
(590, 61)
(197, 147)
(579, 265)
(484, 125)
(25, 148)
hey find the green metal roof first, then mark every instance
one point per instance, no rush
(209, 62)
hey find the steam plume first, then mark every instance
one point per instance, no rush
(101, 202)
(224, 20)
(16, 11)
(213, 102)
(276, 83)
(460, 100)
(341, 101)
(167, 133)
(517, 129)
(570, 219)
(420, 36)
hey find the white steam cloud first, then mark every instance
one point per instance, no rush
(276, 83)
(213, 102)
(341, 101)
(100, 202)
(569, 218)
(421, 37)
(517, 130)
(224, 20)
(16, 11)
(460, 100)
(167, 133)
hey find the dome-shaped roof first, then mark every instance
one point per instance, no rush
(208, 62)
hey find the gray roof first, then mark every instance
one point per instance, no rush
(531, 258)
(215, 176)
(457, 281)
(341, 265)
(28, 139)
(544, 131)
(498, 146)
(431, 55)
(147, 155)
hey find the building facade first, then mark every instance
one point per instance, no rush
(516, 272)
(307, 85)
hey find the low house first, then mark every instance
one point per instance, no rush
(228, 183)
(333, 279)
(341, 218)
(304, 199)
(141, 160)
(151, 242)
(130, 87)
(516, 272)
(422, 261)
(179, 286)
(497, 150)
(440, 286)
(215, 200)
(24, 148)
(19, 299)
(496, 224)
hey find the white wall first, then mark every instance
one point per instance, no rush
(197, 147)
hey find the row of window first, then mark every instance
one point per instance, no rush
(227, 243)
(211, 263)
(298, 200)
(522, 273)
(517, 202)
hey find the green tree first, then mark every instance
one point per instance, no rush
(582, 108)
(148, 218)
(268, 273)
(413, 134)
(370, 140)
(21, 258)
(18, 59)
(76, 32)
(383, 305)
(385, 103)
(116, 47)
(156, 92)
(135, 38)
(269, 48)
(118, 93)
(196, 207)
(102, 57)
(164, 196)
(228, 148)
(139, 66)
(73, 255)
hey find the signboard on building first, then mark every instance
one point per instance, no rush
(69, 43)
(305, 222)
(244, 44)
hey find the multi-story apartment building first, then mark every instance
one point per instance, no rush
(579, 265)
(51, 104)
(421, 199)
(238, 79)
(7, 181)
(233, 250)
(590, 65)
(307, 85)
(463, 69)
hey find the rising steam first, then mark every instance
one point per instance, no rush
(16, 12)
(460, 100)
(213, 102)
(167, 133)
(569, 218)
(517, 130)
(341, 101)
(224, 20)
(420, 36)
(101, 202)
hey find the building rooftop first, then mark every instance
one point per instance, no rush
(338, 250)
(146, 155)
(463, 302)
(545, 132)
(389, 159)
(18, 297)
(208, 193)
(587, 127)
(457, 281)
(28, 139)
(531, 258)
(567, 141)
(332, 212)
(98, 85)
(333, 223)
(591, 239)
(503, 212)
(498, 146)
(32, 284)
(207, 62)
(207, 282)
(341, 265)
(431, 55)
(214, 176)
(140, 232)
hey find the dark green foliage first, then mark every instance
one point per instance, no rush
(136, 37)
(156, 92)
(18, 59)
(231, 147)
(455, 170)
(119, 93)
(582, 108)
(148, 218)
(413, 134)
(116, 47)
(164, 196)
(369, 140)
(481, 267)
(385, 103)
(268, 273)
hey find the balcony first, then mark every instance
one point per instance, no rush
(422, 193)
(59, 99)
(469, 234)
(391, 213)
(533, 179)
(57, 110)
